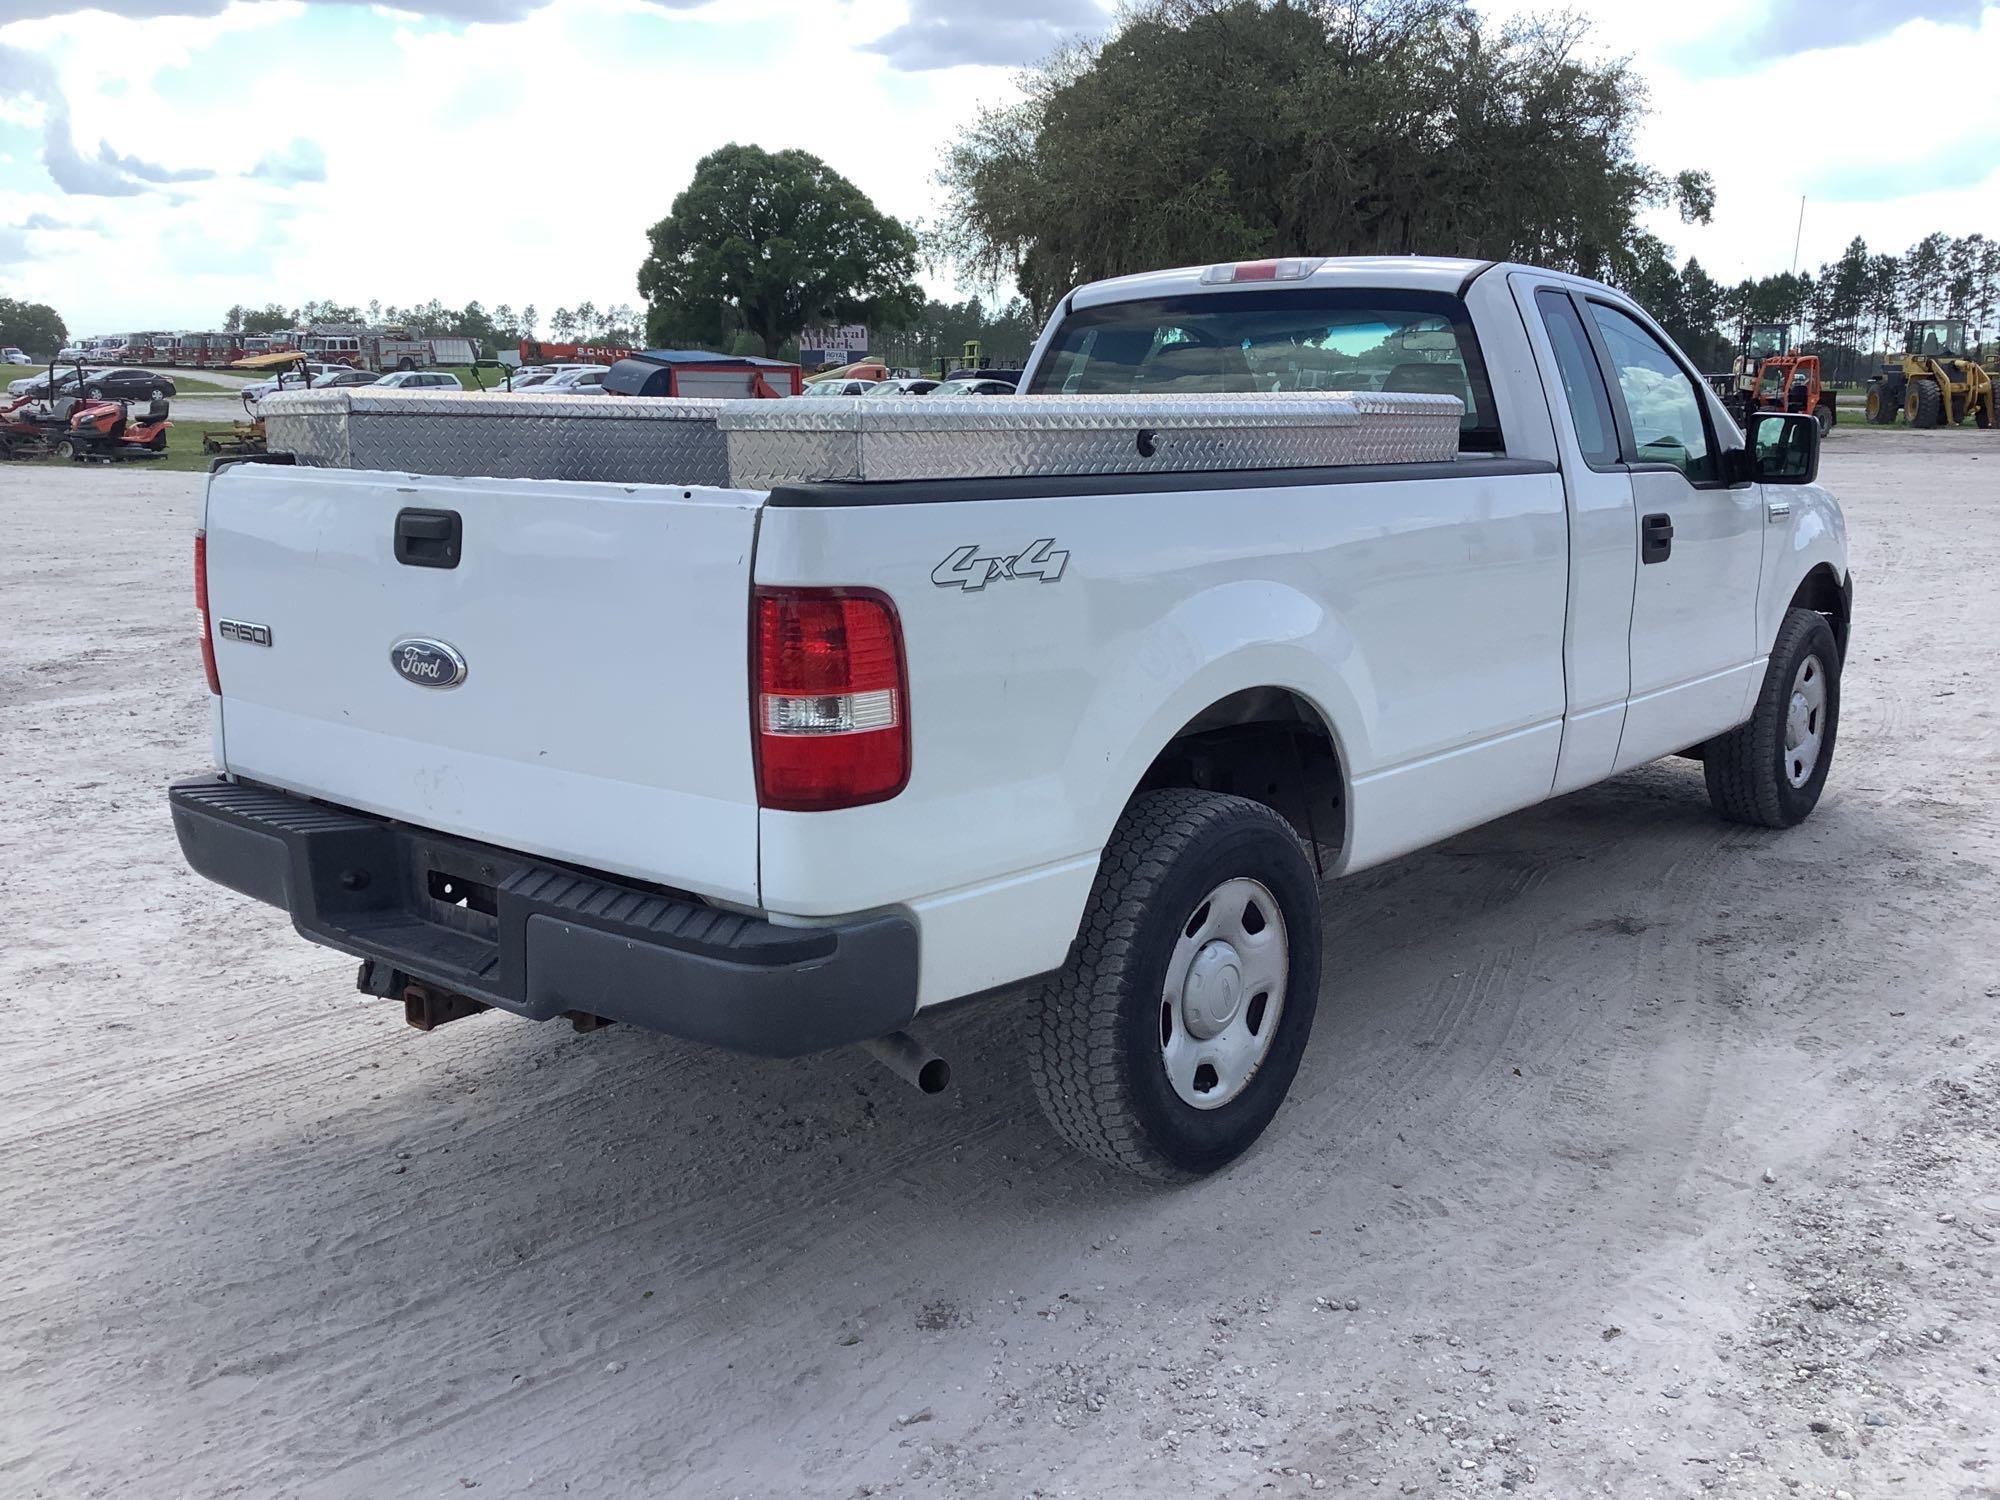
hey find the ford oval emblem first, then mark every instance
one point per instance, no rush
(427, 663)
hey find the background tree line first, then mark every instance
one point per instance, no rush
(1849, 312)
(499, 328)
(32, 327)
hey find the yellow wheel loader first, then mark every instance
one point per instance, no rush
(1935, 382)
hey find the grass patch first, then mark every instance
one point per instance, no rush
(189, 385)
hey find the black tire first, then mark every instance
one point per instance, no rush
(406, 363)
(1930, 403)
(66, 450)
(1095, 1051)
(1888, 400)
(157, 393)
(1823, 414)
(95, 392)
(1748, 778)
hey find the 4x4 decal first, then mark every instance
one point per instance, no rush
(970, 569)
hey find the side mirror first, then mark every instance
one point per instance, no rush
(1784, 447)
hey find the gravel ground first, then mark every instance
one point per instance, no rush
(1634, 1154)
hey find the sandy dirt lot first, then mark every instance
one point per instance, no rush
(1634, 1154)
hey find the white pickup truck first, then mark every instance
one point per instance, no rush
(782, 768)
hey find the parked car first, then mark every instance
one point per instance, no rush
(40, 385)
(902, 386)
(820, 390)
(126, 384)
(12, 356)
(341, 376)
(257, 390)
(974, 388)
(585, 380)
(1047, 722)
(420, 380)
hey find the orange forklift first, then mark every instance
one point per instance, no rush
(1770, 374)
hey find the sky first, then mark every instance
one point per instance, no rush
(161, 160)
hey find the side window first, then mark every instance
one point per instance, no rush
(1582, 381)
(1665, 408)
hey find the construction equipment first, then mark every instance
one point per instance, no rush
(241, 440)
(1935, 381)
(1770, 374)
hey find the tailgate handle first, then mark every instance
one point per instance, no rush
(428, 538)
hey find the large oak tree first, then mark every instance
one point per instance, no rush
(770, 244)
(1206, 130)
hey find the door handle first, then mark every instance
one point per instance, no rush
(429, 538)
(1656, 538)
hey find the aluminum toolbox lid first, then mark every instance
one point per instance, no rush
(764, 443)
(970, 437)
(500, 435)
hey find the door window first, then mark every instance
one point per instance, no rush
(1668, 425)
(1582, 380)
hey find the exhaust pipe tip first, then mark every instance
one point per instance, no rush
(911, 1061)
(934, 1077)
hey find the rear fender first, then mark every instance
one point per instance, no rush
(1203, 651)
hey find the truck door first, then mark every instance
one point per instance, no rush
(1597, 667)
(1699, 542)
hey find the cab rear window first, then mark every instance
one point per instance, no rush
(1296, 339)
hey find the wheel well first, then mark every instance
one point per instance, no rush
(1271, 746)
(1821, 592)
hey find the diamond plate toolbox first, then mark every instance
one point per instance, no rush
(621, 439)
(780, 442)
(756, 444)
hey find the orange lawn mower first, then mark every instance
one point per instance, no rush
(82, 430)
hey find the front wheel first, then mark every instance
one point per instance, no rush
(1823, 414)
(1167, 1043)
(1927, 409)
(1771, 770)
(66, 450)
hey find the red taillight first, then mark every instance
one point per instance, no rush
(201, 611)
(830, 711)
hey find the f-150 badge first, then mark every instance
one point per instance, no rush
(970, 569)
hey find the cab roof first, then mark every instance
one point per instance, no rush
(1414, 272)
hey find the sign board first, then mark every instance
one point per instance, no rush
(850, 339)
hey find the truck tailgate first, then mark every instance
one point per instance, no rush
(603, 714)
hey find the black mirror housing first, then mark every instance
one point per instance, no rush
(1783, 447)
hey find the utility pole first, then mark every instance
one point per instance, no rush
(1799, 235)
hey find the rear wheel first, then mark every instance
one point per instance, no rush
(1823, 414)
(1929, 408)
(1771, 770)
(66, 449)
(1167, 1043)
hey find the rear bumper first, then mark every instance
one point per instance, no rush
(542, 940)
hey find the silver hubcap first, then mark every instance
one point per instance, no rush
(1805, 721)
(1224, 993)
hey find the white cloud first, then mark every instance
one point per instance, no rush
(298, 161)
(952, 33)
